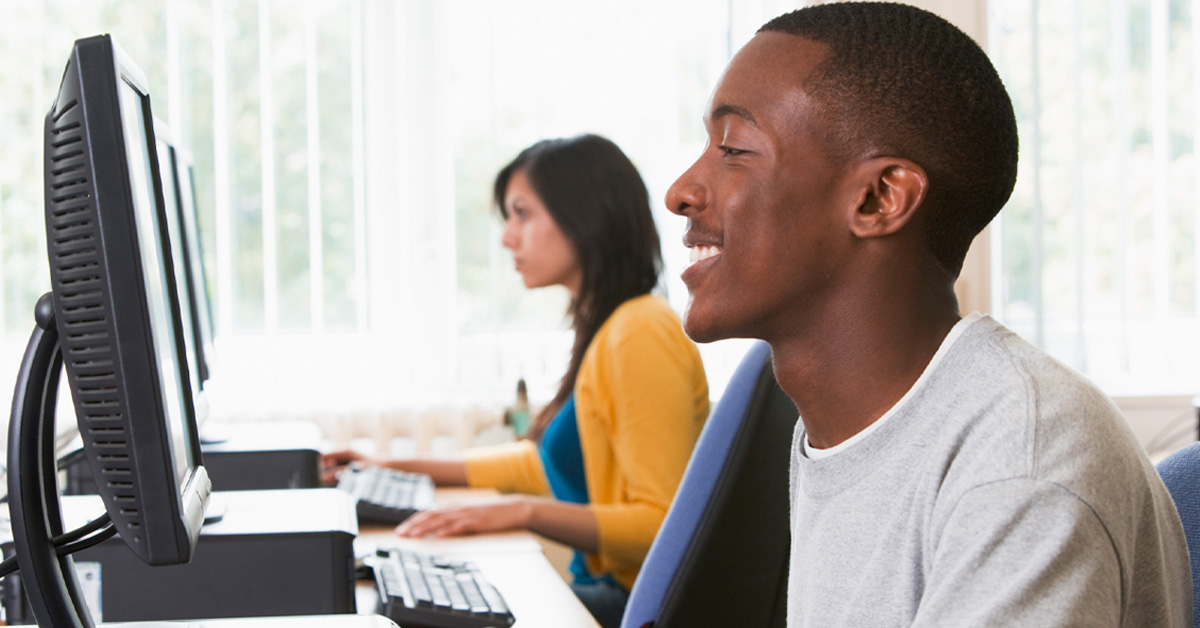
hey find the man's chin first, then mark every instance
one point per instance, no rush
(699, 329)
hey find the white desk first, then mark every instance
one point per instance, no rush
(512, 561)
(306, 621)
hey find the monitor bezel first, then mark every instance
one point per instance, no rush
(184, 283)
(193, 261)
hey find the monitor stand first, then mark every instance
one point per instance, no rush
(33, 504)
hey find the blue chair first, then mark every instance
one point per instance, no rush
(1180, 471)
(721, 555)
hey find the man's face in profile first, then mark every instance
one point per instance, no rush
(764, 200)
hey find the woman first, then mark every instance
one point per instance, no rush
(602, 460)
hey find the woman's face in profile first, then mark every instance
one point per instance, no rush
(541, 253)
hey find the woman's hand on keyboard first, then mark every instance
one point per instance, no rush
(334, 462)
(507, 513)
(567, 523)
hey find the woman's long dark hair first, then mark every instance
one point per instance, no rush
(600, 203)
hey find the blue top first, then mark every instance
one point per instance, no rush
(562, 458)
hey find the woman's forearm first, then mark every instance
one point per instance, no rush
(443, 471)
(564, 522)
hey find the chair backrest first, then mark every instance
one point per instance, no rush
(721, 555)
(1180, 471)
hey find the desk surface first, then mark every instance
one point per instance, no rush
(306, 621)
(512, 561)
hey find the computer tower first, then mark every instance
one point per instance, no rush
(238, 456)
(262, 455)
(276, 552)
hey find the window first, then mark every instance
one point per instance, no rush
(1095, 256)
(344, 151)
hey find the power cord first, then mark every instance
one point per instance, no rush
(92, 533)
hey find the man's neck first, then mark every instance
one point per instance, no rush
(845, 379)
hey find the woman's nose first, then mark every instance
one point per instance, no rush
(510, 237)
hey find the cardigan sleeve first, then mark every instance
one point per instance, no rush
(510, 468)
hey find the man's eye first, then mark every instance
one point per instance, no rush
(731, 152)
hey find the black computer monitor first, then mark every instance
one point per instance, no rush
(113, 319)
(191, 301)
(189, 218)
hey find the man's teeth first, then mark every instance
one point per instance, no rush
(700, 252)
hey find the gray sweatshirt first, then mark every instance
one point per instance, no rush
(1003, 490)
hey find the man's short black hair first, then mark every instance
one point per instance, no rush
(903, 82)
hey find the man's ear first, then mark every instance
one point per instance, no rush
(892, 190)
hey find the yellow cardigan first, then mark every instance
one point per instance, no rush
(641, 398)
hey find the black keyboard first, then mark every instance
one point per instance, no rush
(418, 590)
(386, 495)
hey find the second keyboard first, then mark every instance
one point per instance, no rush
(386, 495)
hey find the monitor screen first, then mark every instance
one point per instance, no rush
(148, 218)
(117, 306)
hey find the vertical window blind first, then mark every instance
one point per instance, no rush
(1095, 256)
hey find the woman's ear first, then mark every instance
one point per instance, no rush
(892, 191)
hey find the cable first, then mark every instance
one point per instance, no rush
(70, 458)
(92, 533)
(82, 531)
(105, 533)
(8, 566)
(67, 439)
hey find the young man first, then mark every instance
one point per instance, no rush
(944, 472)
